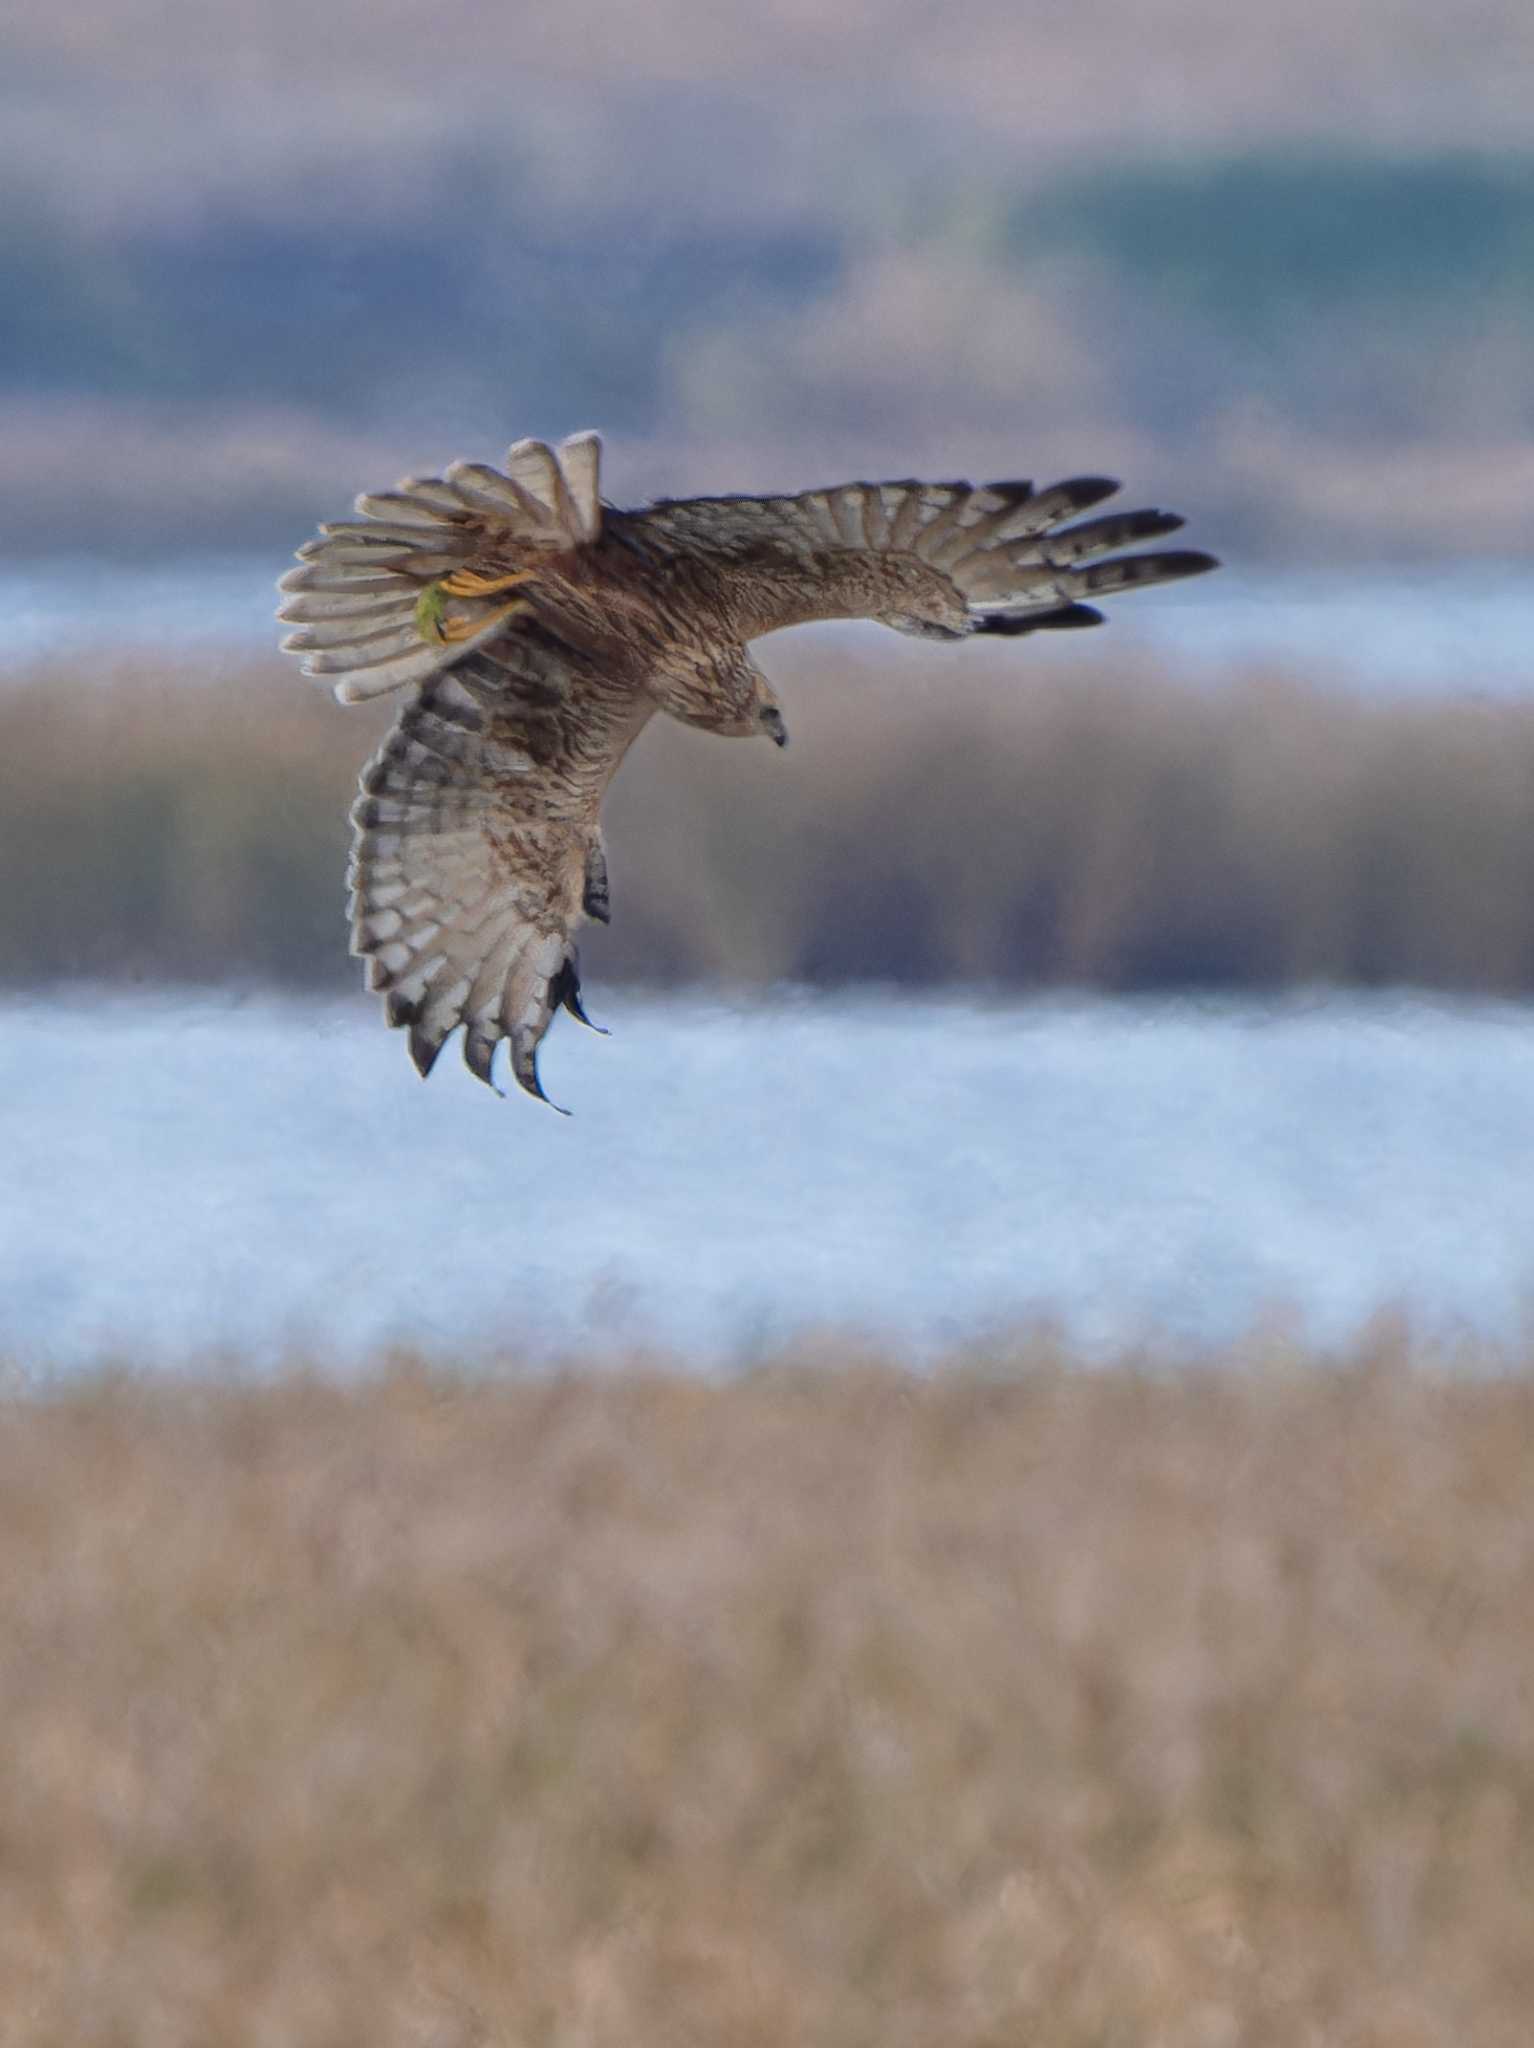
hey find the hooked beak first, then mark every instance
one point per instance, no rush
(772, 724)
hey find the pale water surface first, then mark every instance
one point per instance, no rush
(187, 1172)
(1458, 629)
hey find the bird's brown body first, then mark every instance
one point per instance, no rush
(540, 631)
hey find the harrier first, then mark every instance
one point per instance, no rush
(538, 631)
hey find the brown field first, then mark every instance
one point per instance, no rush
(1024, 1703)
(1060, 817)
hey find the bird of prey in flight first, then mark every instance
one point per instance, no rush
(538, 630)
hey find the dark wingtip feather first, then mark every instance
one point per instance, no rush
(479, 1058)
(1138, 572)
(423, 1050)
(401, 1012)
(1082, 492)
(565, 989)
(524, 1070)
(534, 1087)
(1177, 562)
(1013, 624)
(1070, 615)
(1151, 524)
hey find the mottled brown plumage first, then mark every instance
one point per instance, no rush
(539, 631)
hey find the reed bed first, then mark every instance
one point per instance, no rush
(1016, 1702)
(992, 818)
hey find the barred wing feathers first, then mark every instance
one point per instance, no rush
(927, 558)
(431, 568)
(472, 867)
(526, 619)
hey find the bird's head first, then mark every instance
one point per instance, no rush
(721, 691)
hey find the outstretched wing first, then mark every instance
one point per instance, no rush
(933, 559)
(476, 854)
(434, 566)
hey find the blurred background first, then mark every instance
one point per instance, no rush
(978, 1491)
(1281, 272)
(1279, 276)
(1281, 279)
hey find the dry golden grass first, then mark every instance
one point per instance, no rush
(1020, 1703)
(973, 815)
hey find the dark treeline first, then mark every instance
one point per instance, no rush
(1091, 827)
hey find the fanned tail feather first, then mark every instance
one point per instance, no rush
(429, 570)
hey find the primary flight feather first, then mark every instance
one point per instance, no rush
(539, 630)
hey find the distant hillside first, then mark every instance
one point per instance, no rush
(1262, 241)
(1259, 262)
(1322, 351)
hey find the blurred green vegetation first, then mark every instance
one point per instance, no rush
(1106, 827)
(1381, 301)
(1258, 241)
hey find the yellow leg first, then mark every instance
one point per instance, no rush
(433, 621)
(462, 628)
(469, 582)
